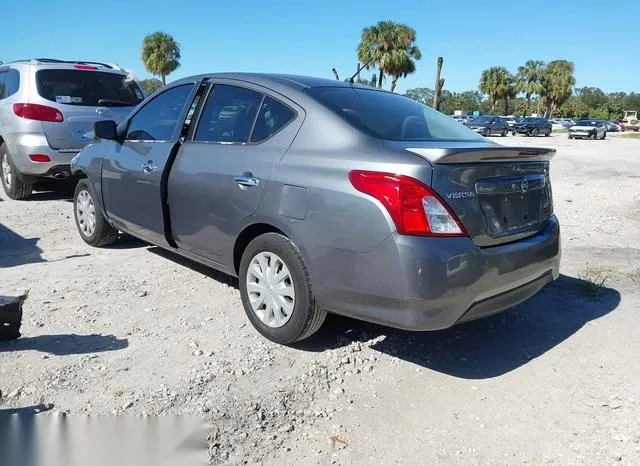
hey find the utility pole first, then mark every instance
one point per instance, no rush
(437, 88)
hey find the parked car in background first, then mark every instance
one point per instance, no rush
(533, 126)
(612, 127)
(588, 128)
(561, 123)
(488, 125)
(511, 121)
(47, 107)
(323, 196)
(630, 121)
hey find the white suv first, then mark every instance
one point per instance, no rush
(47, 111)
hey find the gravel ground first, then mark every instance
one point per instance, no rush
(133, 329)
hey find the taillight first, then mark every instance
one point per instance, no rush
(40, 158)
(415, 209)
(38, 112)
(85, 67)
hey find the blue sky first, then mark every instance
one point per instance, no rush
(310, 37)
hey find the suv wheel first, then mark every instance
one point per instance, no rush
(13, 187)
(276, 290)
(535, 132)
(92, 226)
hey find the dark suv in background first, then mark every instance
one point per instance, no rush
(533, 126)
(488, 125)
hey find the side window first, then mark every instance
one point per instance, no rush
(3, 89)
(12, 82)
(273, 116)
(158, 119)
(228, 115)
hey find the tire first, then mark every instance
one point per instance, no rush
(570, 137)
(593, 135)
(305, 317)
(535, 132)
(102, 234)
(13, 187)
(513, 133)
(486, 133)
(547, 134)
(504, 132)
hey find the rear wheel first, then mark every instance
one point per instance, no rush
(504, 132)
(535, 132)
(486, 133)
(92, 226)
(276, 290)
(548, 133)
(604, 135)
(13, 187)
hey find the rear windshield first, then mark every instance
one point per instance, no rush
(88, 88)
(587, 123)
(530, 120)
(388, 116)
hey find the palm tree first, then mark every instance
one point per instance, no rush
(391, 47)
(528, 80)
(557, 83)
(496, 82)
(160, 54)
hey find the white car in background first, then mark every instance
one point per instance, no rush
(588, 129)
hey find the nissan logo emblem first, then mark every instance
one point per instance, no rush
(524, 185)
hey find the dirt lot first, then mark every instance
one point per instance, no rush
(132, 329)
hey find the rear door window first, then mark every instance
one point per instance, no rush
(228, 115)
(3, 89)
(88, 88)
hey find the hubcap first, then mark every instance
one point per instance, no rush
(6, 170)
(86, 213)
(270, 289)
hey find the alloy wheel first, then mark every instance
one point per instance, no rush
(270, 289)
(6, 170)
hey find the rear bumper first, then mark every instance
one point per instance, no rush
(433, 283)
(58, 167)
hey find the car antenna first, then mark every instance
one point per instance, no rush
(350, 80)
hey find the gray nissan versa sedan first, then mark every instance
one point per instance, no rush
(324, 196)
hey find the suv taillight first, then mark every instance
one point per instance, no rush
(38, 112)
(415, 209)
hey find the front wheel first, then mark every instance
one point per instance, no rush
(604, 135)
(276, 291)
(535, 132)
(504, 132)
(92, 226)
(594, 135)
(11, 183)
(486, 133)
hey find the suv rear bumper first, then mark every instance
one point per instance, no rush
(418, 283)
(57, 168)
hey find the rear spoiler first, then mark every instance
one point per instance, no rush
(484, 154)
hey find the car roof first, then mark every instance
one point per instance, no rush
(290, 81)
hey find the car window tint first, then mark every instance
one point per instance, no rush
(272, 117)
(158, 119)
(88, 88)
(389, 116)
(3, 93)
(228, 115)
(11, 82)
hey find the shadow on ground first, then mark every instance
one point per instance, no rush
(26, 410)
(65, 344)
(16, 250)
(483, 348)
(203, 269)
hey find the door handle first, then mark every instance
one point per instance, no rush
(246, 181)
(149, 167)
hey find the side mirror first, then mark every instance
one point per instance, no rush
(106, 129)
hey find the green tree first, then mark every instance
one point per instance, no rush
(496, 83)
(150, 85)
(160, 54)
(424, 95)
(528, 80)
(557, 83)
(391, 47)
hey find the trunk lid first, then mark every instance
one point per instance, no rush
(500, 194)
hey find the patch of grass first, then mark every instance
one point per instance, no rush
(594, 280)
(635, 276)
(117, 393)
(632, 135)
